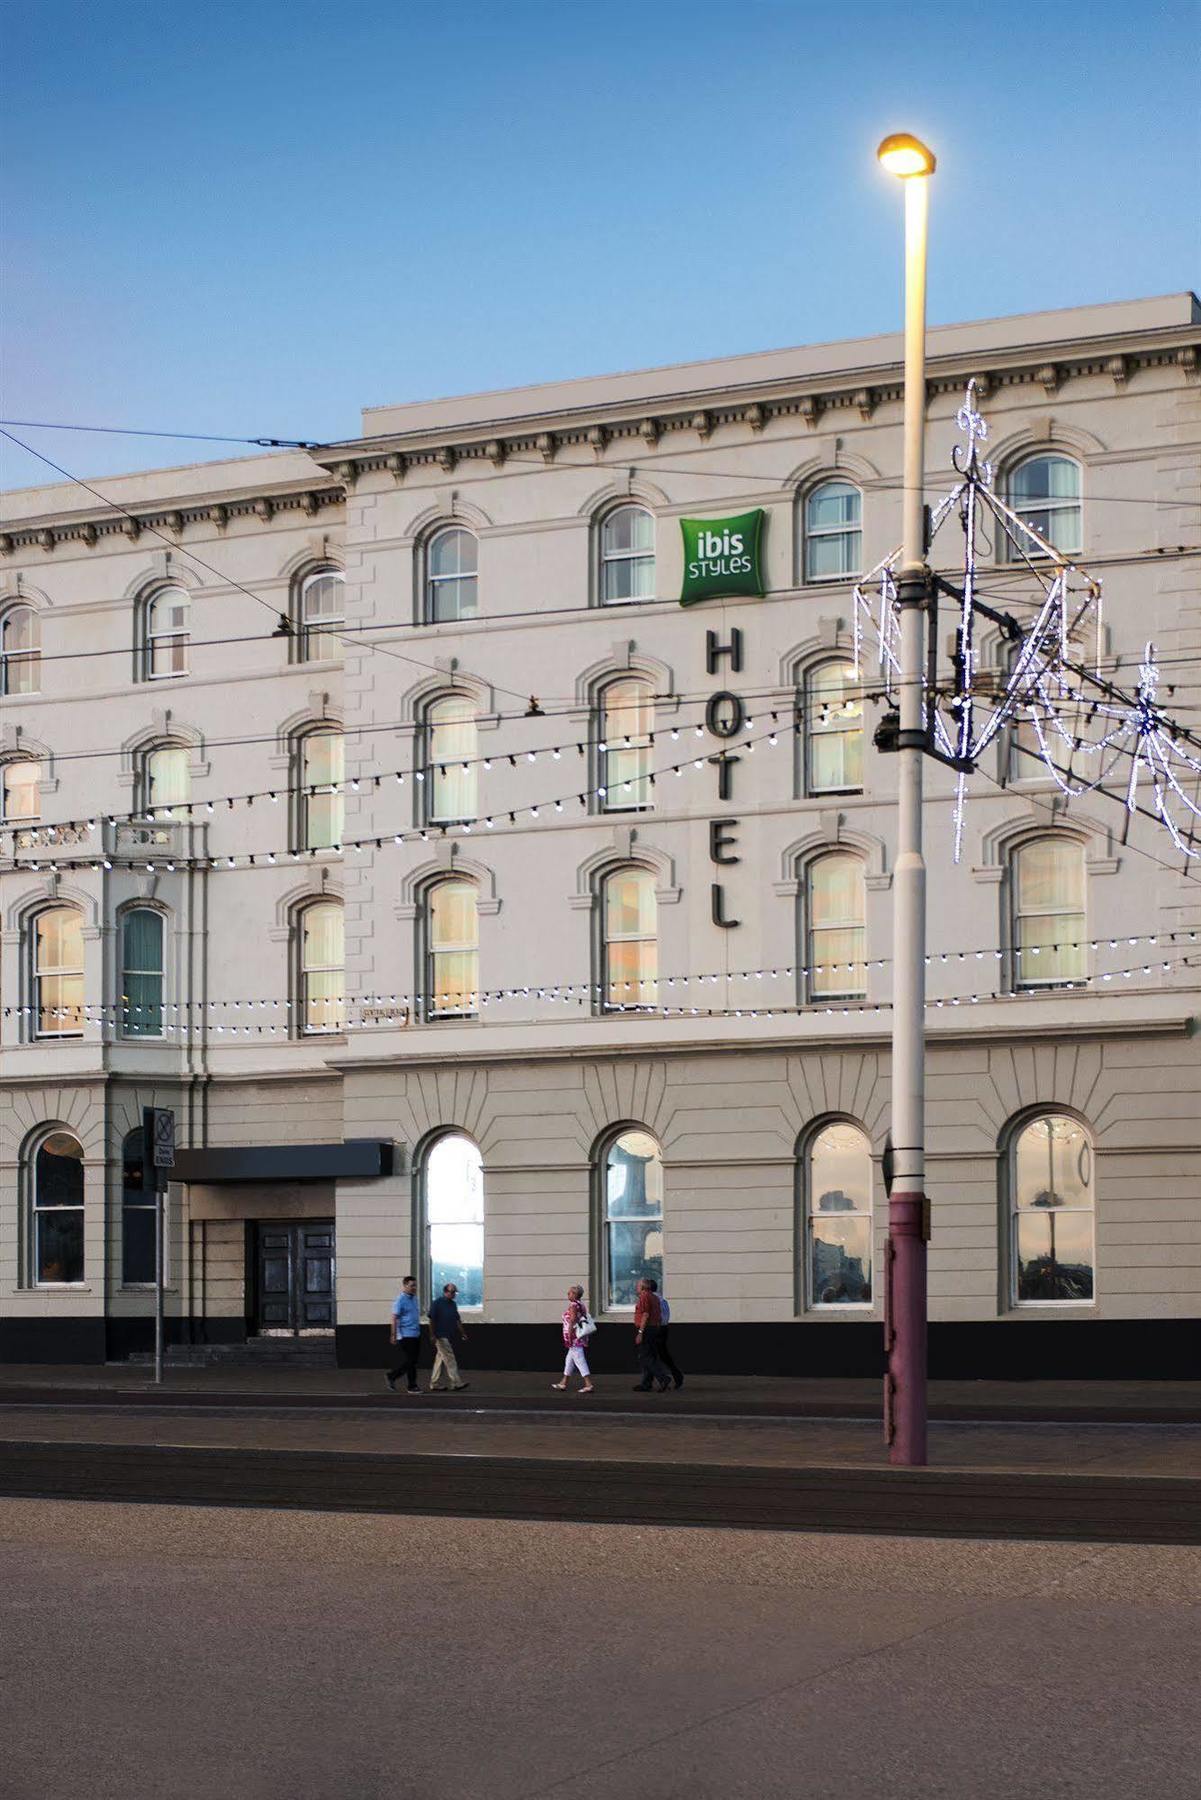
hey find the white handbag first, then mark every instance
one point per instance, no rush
(585, 1329)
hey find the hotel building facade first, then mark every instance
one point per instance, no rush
(482, 911)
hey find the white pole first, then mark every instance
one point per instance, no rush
(906, 1288)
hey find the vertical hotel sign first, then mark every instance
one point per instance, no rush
(723, 561)
(722, 557)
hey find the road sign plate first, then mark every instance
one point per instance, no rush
(164, 1138)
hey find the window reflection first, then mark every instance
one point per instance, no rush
(1053, 1211)
(633, 1221)
(454, 1217)
(838, 1190)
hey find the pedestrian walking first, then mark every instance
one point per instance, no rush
(578, 1327)
(446, 1329)
(406, 1333)
(664, 1336)
(648, 1326)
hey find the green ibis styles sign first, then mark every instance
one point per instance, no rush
(722, 557)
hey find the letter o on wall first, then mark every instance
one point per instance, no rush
(725, 715)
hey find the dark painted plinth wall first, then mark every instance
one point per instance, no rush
(1003, 1350)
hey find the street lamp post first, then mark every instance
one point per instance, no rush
(908, 1210)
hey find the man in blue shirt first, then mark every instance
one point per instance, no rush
(406, 1331)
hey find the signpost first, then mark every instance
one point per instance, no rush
(158, 1155)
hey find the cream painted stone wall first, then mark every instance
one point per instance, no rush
(538, 1081)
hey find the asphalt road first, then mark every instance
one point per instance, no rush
(156, 1653)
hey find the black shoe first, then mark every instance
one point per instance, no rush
(391, 1381)
(664, 1387)
(461, 1386)
(641, 1389)
(679, 1383)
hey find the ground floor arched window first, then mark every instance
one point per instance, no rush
(452, 1209)
(837, 1189)
(632, 1216)
(1052, 1212)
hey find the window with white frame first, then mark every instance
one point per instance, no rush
(833, 734)
(627, 555)
(19, 791)
(452, 1204)
(1044, 491)
(20, 651)
(322, 799)
(452, 772)
(142, 972)
(137, 1215)
(1052, 1212)
(58, 972)
(1049, 923)
(452, 576)
(322, 968)
(322, 608)
(168, 629)
(836, 930)
(452, 950)
(833, 531)
(632, 1216)
(625, 726)
(837, 1178)
(167, 780)
(629, 940)
(56, 1211)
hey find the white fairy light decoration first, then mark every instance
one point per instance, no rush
(1068, 607)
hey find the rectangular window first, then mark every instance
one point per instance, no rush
(20, 796)
(323, 802)
(1049, 918)
(837, 933)
(834, 731)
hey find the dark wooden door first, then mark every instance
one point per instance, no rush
(294, 1276)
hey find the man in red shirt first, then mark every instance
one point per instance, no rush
(648, 1323)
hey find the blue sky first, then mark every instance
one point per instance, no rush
(249, 216)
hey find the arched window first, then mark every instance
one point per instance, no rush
(322, 801)
(451, 773)
(630, 945)
(19, 797)
(20, 651)
(1049, 922)
(452, 576)
(838, 1216)
(142, 972)
(632, 1224)
(56, 1234)
(1051, 1212)
(58, 972)
(452, 950)
(452, 1193)
(627, 719)
(166, 781)
(833, 531)
(835, 937)
(1044, 491)
(168, 627)
(833, 735)
(322, 968)
(322, 608)
(137, 1215)
(627, 555)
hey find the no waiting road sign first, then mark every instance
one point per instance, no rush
(163, 1138)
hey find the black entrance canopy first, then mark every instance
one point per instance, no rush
(361, 1159)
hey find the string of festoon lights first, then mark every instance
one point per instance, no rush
(645, 993)
(168, 858)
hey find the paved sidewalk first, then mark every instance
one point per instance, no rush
(525, 1390)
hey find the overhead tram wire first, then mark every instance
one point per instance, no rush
(615, 466)
(187, 437)
(227, 580)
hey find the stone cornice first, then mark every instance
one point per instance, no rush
(47, 530)
(696, 413)
(609, 430)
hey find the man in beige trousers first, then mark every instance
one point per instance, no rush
(445, 1327)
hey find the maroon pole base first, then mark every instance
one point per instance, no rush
(905, 1330)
